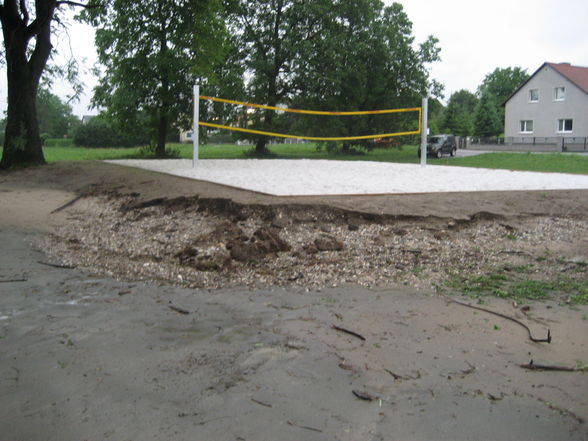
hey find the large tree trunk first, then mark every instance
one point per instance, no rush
(261, 149)
(162, 134)
(22, 143)
(164, 106)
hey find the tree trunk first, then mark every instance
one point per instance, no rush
(261, 149)
(272, 80)
(22, 143)
(164, 88)
(161, 134)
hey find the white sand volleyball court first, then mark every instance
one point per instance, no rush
(324, 177)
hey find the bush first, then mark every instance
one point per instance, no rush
(96, 133)
(99, 132)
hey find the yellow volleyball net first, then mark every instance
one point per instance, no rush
(416, 110)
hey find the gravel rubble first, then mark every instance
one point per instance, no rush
(189, 242)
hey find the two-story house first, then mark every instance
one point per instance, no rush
(552, 104)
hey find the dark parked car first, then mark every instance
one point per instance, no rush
(439, 144)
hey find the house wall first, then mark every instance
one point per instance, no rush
(547, 111)
(186, 136)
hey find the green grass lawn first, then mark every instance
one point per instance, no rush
(544, 162)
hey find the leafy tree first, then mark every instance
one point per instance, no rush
(435, 116)
(229, 82)
(27, 27)
(459, 114)
(501, 84)
(363, 58)
(56, 119)
(270, 36)
(97, 132)
(153, 52)
(486, 119)
(104, 131)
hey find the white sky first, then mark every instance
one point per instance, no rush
(475, 38)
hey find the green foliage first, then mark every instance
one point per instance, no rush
(486, 119)
(148, 152)
(435, 116)
(103, 132)
(499, 285)
(363, 58)
(27, 28)
(500, 85)
(55, 117)
(502, 82)
(331, 55)
(97, 133)
(459, 114)
(152, 54)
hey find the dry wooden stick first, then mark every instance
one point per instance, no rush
(68, 204)
(56, 265)
(261, 402)
(13, 280)
(547, 367)
(507, 317)
(179, 310)
(363, 395)
(293, 423)
(347, 331)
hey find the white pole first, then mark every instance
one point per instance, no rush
(424, 131)
(195, 128)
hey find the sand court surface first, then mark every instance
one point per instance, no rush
(324, 177)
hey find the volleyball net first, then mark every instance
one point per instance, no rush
(415, 110)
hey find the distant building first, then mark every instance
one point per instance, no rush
(552, 104)
(186, 136)
(87, 118)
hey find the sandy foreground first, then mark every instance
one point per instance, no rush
(84, 356)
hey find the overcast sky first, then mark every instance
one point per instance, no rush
(475, 38)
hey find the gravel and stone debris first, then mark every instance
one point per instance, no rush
(217, 243)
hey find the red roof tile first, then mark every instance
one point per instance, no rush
(576, 74)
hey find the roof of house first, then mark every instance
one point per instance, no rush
(577, 75)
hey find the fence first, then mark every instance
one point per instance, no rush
(529, 144)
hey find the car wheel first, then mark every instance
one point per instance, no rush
(453, 151)
(439, 154)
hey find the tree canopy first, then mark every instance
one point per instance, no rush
(487, 121)
(56, 118)
(321, 54)
(331, 55)
(459, 114)
(365, 60)
(152, 53)
(500, 84)
(26, 30)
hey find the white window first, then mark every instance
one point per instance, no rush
(526, 126)
(565, 125)
(559, 93)
(533, 95)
